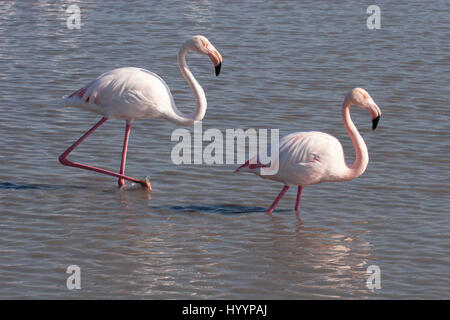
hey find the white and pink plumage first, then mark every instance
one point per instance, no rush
(307, 158)
(134, 93)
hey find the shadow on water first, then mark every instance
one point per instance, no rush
(32, 186)
(224, 209)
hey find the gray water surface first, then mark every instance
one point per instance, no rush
(203, 232)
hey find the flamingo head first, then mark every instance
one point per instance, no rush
(361, 98)
(202, 45)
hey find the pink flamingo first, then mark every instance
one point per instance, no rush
(133, 93)
(307, 158)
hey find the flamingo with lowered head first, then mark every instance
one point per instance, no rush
(307, 158)
(134, 93)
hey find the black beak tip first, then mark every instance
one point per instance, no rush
(375, 122)
(218, 69)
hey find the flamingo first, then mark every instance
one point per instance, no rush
(307, 158)
(134, 93)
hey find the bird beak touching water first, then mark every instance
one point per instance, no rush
(216, 59)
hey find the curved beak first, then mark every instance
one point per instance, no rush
(375, 122)
(375, 113)
(216, 59)
(218, 68)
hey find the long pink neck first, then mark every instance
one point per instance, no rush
(174, 114)
(362, 155)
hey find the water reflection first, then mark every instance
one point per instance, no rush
(320, 258)
(179, 256)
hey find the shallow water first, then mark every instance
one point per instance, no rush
(203, 232)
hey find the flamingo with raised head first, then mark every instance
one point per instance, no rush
(307, 158)
(134, 93)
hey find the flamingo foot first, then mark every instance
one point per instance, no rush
(141, 184)
(146, 184)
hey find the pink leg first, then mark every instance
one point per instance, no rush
(299, 195)
(64, 161)
(274, 204)
(124, 153)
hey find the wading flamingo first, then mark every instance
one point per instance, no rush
(134, 93)
(307, 158)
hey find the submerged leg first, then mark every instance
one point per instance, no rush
(63, 159)
(274, 204)
(299, 196)
(124, 153)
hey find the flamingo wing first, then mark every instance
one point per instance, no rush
(124, 93)
(291, 150)
(305, 158)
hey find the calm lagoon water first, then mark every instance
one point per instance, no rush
(203, 233)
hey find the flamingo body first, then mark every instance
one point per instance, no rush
(135, 93)
(124, 93)
(307, 158)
